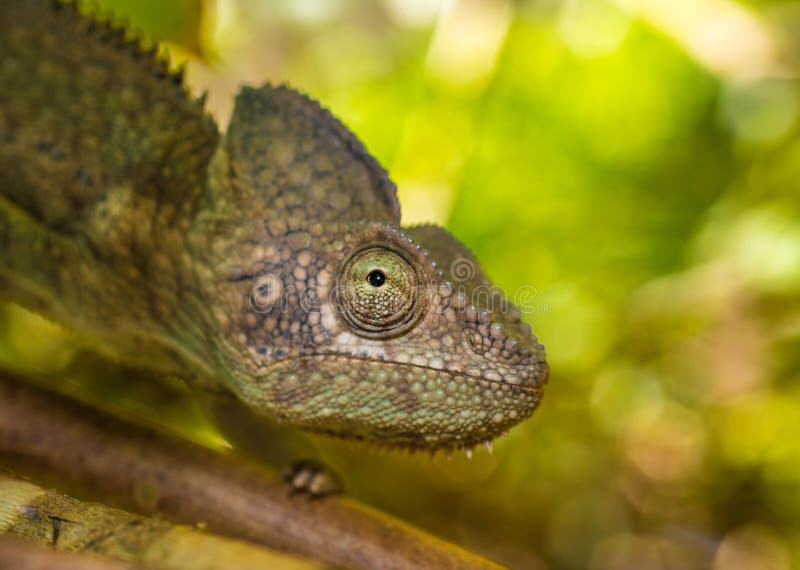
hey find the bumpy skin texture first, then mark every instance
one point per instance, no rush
(269, 264)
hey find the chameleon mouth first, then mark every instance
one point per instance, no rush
(530, 388)
(412, 444)
(395, 404)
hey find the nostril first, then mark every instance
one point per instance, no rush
(475, 341)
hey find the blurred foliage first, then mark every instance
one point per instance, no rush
(640, 179)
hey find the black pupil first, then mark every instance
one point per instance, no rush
(376, 278)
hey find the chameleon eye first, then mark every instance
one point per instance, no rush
(380, 293)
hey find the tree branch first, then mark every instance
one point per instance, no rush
(21, 555)
(100, 457)
(59, 522)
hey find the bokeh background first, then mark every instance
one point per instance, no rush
(634, 165)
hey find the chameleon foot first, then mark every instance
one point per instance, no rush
(312, 478)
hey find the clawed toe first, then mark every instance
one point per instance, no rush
(312, 478)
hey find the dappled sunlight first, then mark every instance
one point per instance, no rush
(467, 40)
(633, 167)
(723, 35)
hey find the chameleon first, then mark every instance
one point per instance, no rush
(267, 265)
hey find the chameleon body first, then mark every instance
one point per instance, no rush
(267, 264)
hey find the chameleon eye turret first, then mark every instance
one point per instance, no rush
(268, 264)
(380, 293)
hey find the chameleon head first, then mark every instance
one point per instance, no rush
(338, 321)
(402, 341)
